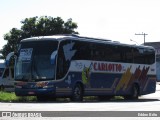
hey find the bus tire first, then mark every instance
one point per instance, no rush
(77, 94)
(135, 93)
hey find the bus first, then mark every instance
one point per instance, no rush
(6, 77)
(75, 66)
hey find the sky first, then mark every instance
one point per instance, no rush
(117, 20)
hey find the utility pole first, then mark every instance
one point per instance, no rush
(144, 34)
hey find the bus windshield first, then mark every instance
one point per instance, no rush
(1, 71)
(36, 61)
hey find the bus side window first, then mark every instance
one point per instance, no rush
(60, 63)
(60, 66)
(81, 48)
(63, 63)
(138, 56)
(1, 71)
(12, 71)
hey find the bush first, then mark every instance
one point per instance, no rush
(11, 97)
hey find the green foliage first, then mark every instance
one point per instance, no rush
(11, 97)
(4, 96)
(36, 26)
(118, 98)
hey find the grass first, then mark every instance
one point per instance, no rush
(118, 97)
(4, 96)
(11, 97)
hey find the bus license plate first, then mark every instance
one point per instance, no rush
(31, 93)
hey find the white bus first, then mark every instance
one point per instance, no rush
(6, 77)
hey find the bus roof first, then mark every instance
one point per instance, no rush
(81, 38)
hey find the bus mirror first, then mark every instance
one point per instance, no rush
(53, 57)
(8, 58)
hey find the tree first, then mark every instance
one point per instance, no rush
(35, 26)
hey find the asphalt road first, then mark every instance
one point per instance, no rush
(146, 102)
(149, 102)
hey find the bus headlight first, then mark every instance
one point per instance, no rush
(49, 86)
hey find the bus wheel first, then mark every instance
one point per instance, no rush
(135, 93)
(77, 93)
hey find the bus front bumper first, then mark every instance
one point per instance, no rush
(34, 92)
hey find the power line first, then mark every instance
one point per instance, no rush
(144, 34)
(134, 41)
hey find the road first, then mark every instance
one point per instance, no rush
(149, 102)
